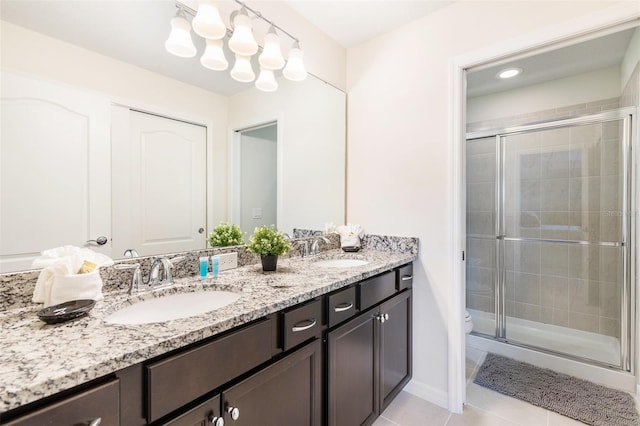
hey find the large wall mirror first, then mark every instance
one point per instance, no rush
(104, 133)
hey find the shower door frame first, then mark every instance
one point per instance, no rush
(627, 241)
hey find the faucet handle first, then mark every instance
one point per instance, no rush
(136, 279)
(168, 275)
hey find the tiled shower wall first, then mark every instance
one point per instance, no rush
(561, 184)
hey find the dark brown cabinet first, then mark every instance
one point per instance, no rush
(369, 359)
(352, 364)
(287, 392)
(395, 347)
(272, 371)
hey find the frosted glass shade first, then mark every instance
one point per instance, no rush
(266, 81)
(242, 41)
(271, 56)
(208, 23)
(295, 70)
(179, 42)
(213, 56)
(242, 70)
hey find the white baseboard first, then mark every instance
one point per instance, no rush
(428, 393)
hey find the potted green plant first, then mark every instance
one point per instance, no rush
(269, 244)
(226, 235)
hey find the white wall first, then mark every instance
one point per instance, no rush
(311, 148)
(582, 88)
(38, 55)
(399, 147)
(631, 58)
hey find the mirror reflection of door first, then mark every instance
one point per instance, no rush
(159, 189)
(54, 156)
(258, 177)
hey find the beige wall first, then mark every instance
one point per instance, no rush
(399, 144)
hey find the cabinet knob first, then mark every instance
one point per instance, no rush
(234, 412)
(95, 422)
(216, 421)
(382, 317)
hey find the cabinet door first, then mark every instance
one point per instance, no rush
(288, 392)
(352, 372)
(395, 347)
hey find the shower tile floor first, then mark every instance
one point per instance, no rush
(484, 407)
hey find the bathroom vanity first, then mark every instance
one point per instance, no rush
(306, 345)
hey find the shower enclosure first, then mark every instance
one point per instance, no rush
(548, 237)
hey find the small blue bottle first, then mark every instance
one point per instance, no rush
(215, 265)
(204, 267)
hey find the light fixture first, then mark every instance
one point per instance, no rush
(242, 70)
(509, 73)
(266, 80)
(242, 41)
(271, 56)
(213, 56)
(295, 70)
(179, 42)
(208, 23)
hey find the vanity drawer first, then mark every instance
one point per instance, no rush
(404, 277)
(376, 289)
(301, 323)
(342, 305)
(99, 402)
(179, 379)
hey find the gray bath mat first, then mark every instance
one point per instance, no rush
(572, 397)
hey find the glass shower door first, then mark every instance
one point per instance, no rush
(481, 274)
(563, 228)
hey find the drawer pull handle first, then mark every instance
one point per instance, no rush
(234, 412)
(95, 422)
(407, 277)
(343, 307)
(297, 327)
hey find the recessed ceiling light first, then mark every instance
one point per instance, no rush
(509, 72)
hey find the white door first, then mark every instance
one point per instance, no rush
(54, 169)
(159, 183)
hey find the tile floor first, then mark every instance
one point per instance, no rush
(483, 408)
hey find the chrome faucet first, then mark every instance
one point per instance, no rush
(156, 277)
(314, 248)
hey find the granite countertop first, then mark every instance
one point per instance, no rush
(38, 360)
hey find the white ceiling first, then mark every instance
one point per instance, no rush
(355, 21)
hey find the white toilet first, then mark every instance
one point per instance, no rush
(468, 323)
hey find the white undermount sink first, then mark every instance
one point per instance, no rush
(340, 263)
(173, 306)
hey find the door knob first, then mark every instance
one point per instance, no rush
(200, 230)
(101, 240)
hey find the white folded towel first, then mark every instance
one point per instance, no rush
(350, 235)
(59, 282)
